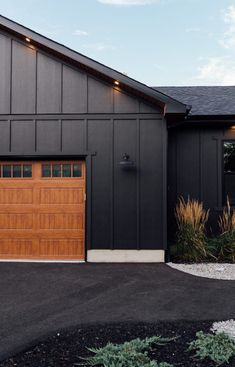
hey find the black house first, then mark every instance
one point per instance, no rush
(89, 158)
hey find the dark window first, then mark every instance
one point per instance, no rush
(77, 171)
(17, 170)
(66, 170)
(6, 170)
(27, 170)
(229, 171)
(56, 170)
(46, 170)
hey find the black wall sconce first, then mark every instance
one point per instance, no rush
(126, 162)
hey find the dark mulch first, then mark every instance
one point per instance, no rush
(65, 348)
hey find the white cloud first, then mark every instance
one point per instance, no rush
(216, 71)
(99, 46)
(128, 2)
(228, 40)
(79, 32)
(220, 70)
(229, 14)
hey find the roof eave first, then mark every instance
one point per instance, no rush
(217, 117)
(202, 120)
(175, 107)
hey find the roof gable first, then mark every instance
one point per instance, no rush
(167, 104)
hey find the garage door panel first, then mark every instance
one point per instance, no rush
(16, 247)
(54, 195)
(61, 247)
(16, 221)
(45, 249)
(42, 218)
(12, 196)
(63, 221)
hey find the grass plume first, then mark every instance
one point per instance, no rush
(227, 220)
(191, 218)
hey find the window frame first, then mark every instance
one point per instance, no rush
(61, 162)
(16, 163)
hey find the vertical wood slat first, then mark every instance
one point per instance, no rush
(125, 188)
(48, 84)
(100, 140)
(112, 188)
(138, 184)
(164, 185)
(23, 79)
(5, 74)
(11, 77)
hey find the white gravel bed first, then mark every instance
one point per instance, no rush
(213, 271)
(228, 327)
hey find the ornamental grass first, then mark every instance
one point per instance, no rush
(227, 220)
(225, 242)
(191, 219)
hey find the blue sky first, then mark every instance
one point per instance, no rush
(158, 42)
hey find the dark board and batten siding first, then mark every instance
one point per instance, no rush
(48, 108)
(35, 83)
(126, 206)
(195, 162)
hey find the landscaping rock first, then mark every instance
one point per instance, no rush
(207, 270)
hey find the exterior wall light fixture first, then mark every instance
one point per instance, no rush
(27, 39)
(116, 82)
(126, 163)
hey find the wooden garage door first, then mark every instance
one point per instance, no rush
(42, 210)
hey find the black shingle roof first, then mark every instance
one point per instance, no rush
(204, 100)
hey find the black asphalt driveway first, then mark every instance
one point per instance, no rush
(40, 299)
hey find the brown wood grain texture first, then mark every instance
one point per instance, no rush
(42, 218)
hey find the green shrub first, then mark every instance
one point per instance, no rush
(191, 218)
(129, 354)
(212, 245)
(226, 241)
(218, 347)
(223, 246)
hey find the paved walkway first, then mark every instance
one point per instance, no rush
(39, 299)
